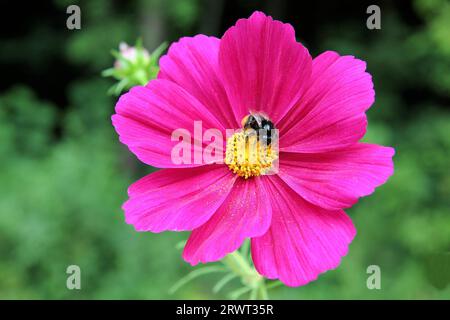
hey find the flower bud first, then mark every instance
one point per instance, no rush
(134, 65)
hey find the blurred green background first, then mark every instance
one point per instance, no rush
(64, 173)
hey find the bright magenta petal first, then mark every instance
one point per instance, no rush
(193, 64)
(177, 199)
(146, 117)
(336, 179)
(264, 68)
(245, 213)
(331, 114)
(303, 240)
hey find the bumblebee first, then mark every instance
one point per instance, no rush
(260, 124)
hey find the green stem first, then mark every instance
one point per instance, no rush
(252, 280)
(238, 264)
(263, 291)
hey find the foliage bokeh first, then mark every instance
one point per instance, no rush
(64, 173)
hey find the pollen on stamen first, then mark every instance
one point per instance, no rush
(247, 156)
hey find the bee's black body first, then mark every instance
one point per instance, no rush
(261, 125)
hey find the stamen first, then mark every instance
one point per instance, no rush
(247, 156)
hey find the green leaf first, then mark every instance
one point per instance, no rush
(194, 274)
(239, 292)
(222, 282)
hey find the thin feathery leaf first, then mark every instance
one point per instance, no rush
(222, 282)
(239, 292)
(194, 274)
(154, 56)
(274, 284)
(180, 245)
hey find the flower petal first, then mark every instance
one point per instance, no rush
(336, 179)
(302, 241)
(264, 68)
(147, 116)
(331, 114)
(177, 199)
(193, 64)
(245, 213)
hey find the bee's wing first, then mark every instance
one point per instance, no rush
(251, 133)
(261, 114)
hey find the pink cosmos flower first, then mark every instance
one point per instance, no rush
(295, 218)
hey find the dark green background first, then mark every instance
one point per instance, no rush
(64, 173)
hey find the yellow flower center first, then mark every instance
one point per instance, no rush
(247, 156)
